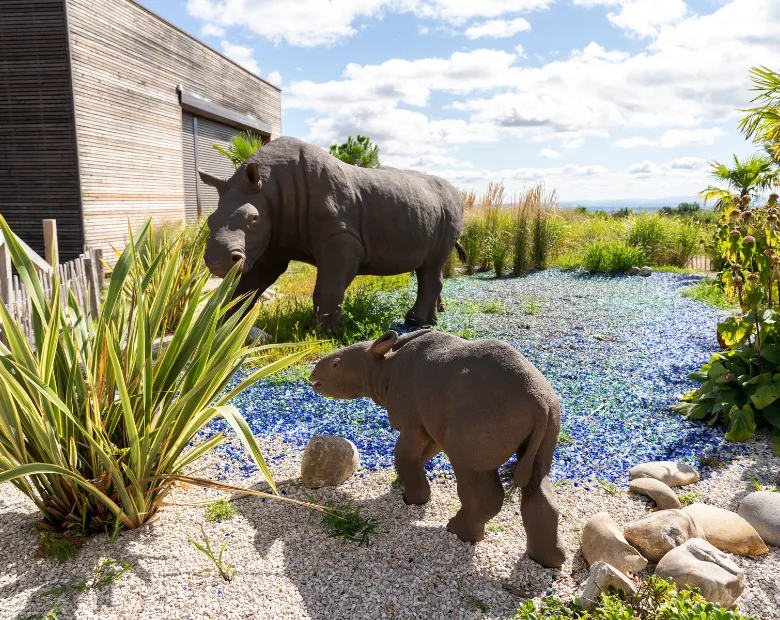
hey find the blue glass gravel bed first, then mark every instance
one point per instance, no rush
(617, 350)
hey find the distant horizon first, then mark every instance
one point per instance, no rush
(637, 204)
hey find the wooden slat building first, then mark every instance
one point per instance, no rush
(106, 110)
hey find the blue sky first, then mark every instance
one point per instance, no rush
(597, 99)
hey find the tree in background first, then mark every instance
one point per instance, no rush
(762, 122)
(241, 147)
(686, 209)
(747, 176)
(358, 152)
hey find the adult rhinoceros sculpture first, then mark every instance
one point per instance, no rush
(293, 201)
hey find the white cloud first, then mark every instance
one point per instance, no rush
(520, 51)
(689, 78)
(210, 30)
(550, 154)
(642, 18)
(498, 28)
(242, 54)
(292, 22)
(406, 81)
(275, 78)
(675, 138)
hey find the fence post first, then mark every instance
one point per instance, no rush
(100, 268)
(91, 267)
(6, 285)
(50, 241)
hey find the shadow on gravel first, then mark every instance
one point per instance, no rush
(55, 588)
(410, 569)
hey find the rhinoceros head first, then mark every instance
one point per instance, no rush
(347, 373)
(240, 228)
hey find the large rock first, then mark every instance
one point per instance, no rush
(602, 541)
(762, 511)
(645, 271)
(328, 461)
(660, 493)
(670, 473)
(698, 564)
(660, 532)
(257, 334)
(602, 577)
(726, 530)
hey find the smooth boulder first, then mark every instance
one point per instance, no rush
(645, 271)
(328, 461)
(660, 532)
(602, 577)
(726, 530)
(698, 564)
(762, 511)
(669, 472)
(602, 541)
(660, 493)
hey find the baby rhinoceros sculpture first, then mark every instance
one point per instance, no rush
(479, 402)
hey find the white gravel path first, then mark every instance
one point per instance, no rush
(287, 566)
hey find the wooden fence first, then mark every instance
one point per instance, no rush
(83, 277)
(702, 263)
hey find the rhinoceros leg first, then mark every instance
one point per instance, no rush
(263, 274)
(336, 268)
(410, 450)
(440, 305)
(429, 285)
(481, 497)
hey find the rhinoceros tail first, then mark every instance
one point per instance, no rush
(461, 253)
(535, 461)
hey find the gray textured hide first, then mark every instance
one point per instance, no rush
(293, 201)
(480, 402)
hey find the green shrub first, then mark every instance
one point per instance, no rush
(453, 260)
(498, 252)
(657, 599)
(740, 386)
(612, 257)
(649, 233)
(93, 429)
(241, 148)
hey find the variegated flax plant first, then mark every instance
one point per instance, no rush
(97, 419)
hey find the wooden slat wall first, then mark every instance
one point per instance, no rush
(38, 165)
(127, 63)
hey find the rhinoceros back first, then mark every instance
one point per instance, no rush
(404, 219)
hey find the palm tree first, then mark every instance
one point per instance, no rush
(762, 122)
(752, 174)
(241, 147)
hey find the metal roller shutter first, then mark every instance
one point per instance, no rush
(198, 136)
(190, 167)
(210, 160)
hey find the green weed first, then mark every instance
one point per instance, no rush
(564, 437)
(496, 527)
(473, 602)
(346, 522)
(226, 571)
(492, 307)
(106, 573)
(221, 510)
(687, 499)
(610, 488)
(61, 547)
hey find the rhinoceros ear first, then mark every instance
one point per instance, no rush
(383, 344)
(217, 183)
(252, 174)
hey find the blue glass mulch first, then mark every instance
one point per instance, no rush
(617, 350)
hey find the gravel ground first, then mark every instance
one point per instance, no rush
(617, 351)
(288, 567)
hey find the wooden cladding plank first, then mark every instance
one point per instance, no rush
(132, 135)
(38, 165)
